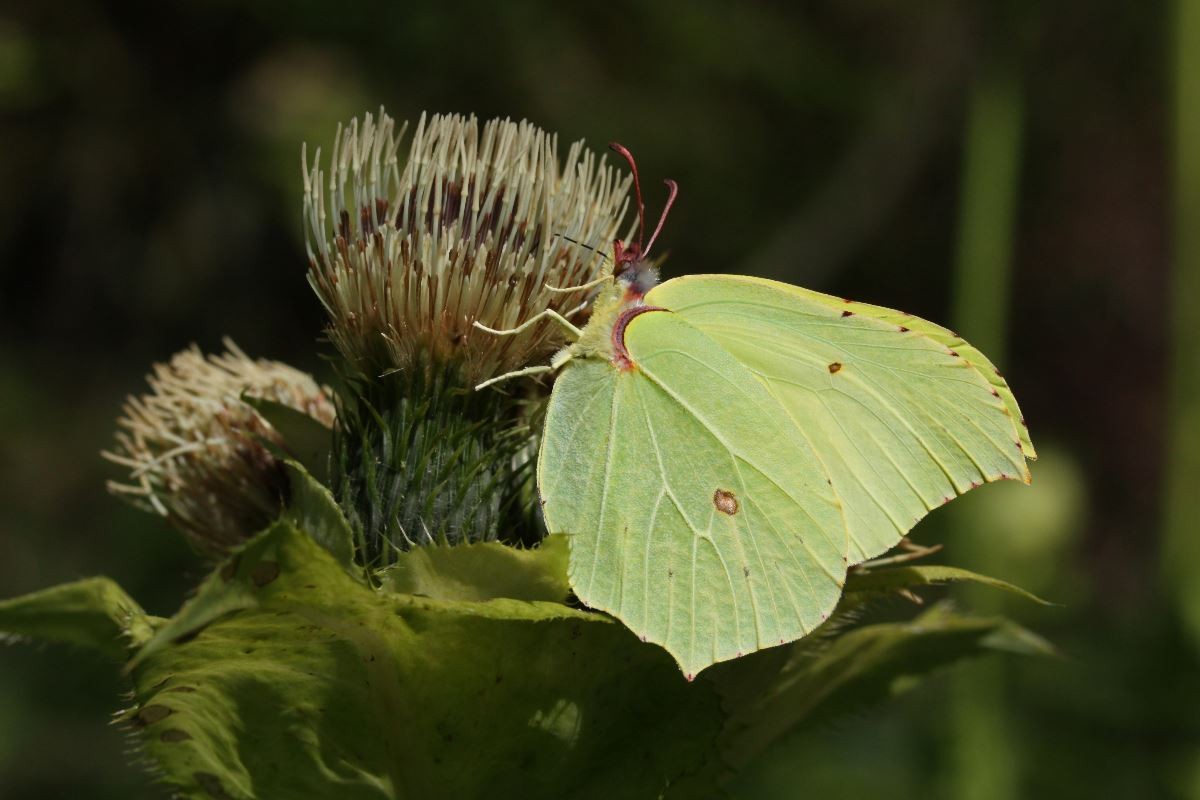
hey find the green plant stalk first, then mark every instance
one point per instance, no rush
(986, 763)
(1181, 552)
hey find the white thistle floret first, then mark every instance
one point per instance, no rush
(194, 448)
(473, 226)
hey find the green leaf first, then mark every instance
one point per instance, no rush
(306, 439)
(864, 667)
(483, 571)
(94, 613)
(887, 581)
(325, 688)
(313, 510)
(231, 587)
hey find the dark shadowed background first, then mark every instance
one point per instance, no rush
(1009, 169)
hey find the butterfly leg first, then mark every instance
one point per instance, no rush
(536, 370)
(579, 288)
(549, 312)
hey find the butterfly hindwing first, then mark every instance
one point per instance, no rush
(698, 514)
(903, 413)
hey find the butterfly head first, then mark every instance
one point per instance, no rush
(630, 264)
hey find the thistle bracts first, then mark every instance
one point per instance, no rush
(199, 455)
(419, 460)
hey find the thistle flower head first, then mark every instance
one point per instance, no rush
(195, 450)
(472, 226)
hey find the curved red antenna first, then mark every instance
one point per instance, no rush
(637, 189)
(674, 189)
(636, 252)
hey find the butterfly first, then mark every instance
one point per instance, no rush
(721, 448)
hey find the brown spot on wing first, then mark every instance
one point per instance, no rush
(835, 367)
(725, 501)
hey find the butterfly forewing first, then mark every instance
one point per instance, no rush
(903, 413)
(698, 514)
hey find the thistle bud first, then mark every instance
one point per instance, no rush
(472, 226)
(197, 453)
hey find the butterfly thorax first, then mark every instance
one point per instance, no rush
(616, 303)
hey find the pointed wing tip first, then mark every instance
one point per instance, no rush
(689, 669)
(1026, 477)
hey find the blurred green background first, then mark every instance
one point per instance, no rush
(1028, 173)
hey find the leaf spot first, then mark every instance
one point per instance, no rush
(725, 501)
(230, 569)
(211, 784)
(264, 572)
(153, 713)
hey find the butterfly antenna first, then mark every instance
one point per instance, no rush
(674, 188)
(595, 250)
(637, 188)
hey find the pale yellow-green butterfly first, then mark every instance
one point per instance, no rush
(721, 448)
